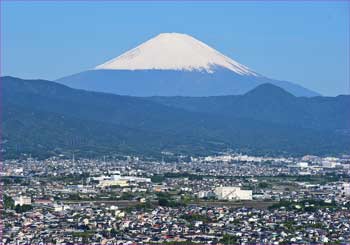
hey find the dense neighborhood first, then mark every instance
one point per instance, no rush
(228, 198)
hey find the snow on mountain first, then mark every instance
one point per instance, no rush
(173, 64)
(174, 51)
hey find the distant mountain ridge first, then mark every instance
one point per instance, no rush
(42, 117)
(173, 64)
(270, 103)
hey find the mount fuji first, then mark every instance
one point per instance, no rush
(173, 64)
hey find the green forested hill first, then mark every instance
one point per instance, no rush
(44, 118)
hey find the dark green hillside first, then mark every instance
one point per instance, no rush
(45, 118)
(270, 103)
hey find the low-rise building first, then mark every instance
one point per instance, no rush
(302, 164)
(345, 189)
(232, 193)
(22, 200)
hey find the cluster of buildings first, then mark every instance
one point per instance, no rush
(217, 199)
(195, 224)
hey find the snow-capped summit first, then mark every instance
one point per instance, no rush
(173, 64)
(174, 51)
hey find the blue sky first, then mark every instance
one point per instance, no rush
(303, 42)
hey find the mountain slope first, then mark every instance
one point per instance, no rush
(173, 64)
(272, 104)
(174, 51)
(40, 117)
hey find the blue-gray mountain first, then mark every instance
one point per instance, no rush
(44, 118)
(174, 83)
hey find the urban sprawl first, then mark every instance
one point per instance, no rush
(222, 199)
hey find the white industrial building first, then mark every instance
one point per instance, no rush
(302, 164)
(22, 200)
(118, 180)
(345, 189)
(330, 162)
(232, 193)
(205, 194)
